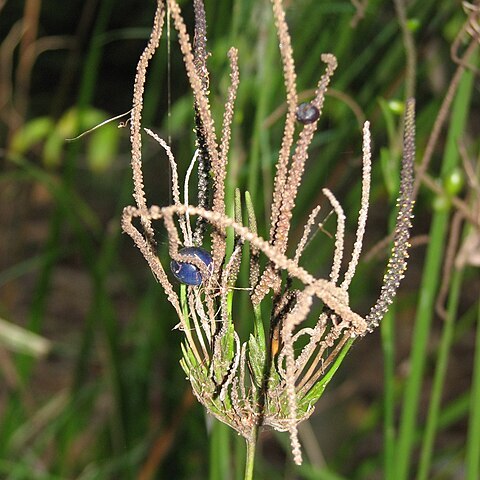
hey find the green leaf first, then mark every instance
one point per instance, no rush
(30, 134)
(256, 356)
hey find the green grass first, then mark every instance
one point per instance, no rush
(110, 391)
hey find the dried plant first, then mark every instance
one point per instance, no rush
(274, 378)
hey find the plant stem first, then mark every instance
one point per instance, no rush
(434, 409)
(473, 440)
(388, 344)
(250, 460)
(220, 451)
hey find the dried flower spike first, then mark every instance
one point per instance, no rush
(274, 377)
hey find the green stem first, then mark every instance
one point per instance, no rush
(434, 409)
(250, 460)
(388, 344)
(220, 451)
(472, 460)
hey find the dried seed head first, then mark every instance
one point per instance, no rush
(228, 377)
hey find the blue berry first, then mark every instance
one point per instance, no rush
(188, 273)
(307, 113)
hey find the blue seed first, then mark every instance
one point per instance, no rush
(188, 273)
(307, 113)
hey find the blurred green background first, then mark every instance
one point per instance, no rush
(90, 385)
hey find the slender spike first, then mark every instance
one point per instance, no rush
(362, 216)
(339, 235)
(306, 233)
(136, 116)
(174, 179)
(290, 78)
(398, 258)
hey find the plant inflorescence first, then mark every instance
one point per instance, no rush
(274, 377)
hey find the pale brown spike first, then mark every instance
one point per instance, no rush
(334, 297)
(363, 213)
(228, 115)
(136, 115)
(174, 178)
(154, 263)
(290, 78)
(306, 233)
(339, 235)
(296, 316)
(398, 258)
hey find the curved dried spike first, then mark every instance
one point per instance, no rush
(281, 356)
(363, 213)
(334, 297)
(311, 346)
(339, 235)
(398, 258)
(296, 316)
(154, 263)
(313, 369)
(136, 115)
(174, 178)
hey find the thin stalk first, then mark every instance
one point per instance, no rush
(250, 459)
(439, 377)
(387, 327)
(240, 457)
(219, 451)
(472, 459)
